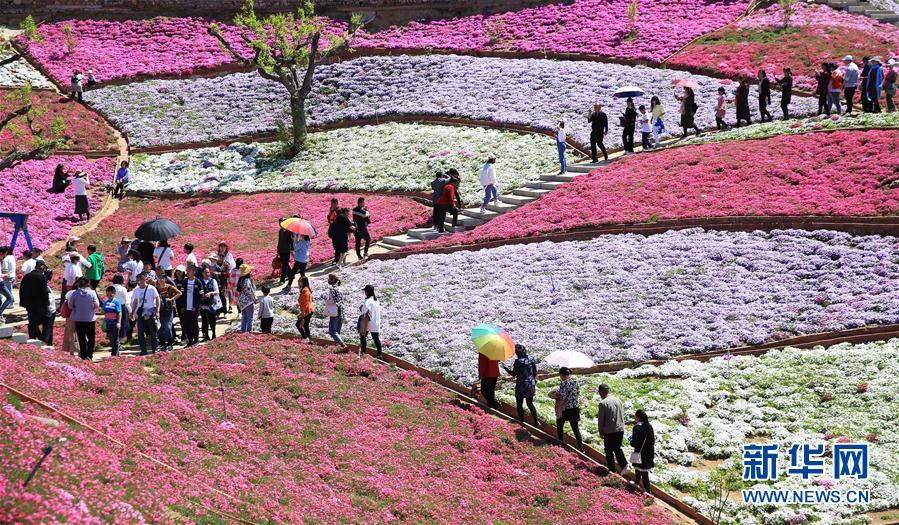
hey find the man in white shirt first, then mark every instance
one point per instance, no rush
(850, 81)
(7, 279)
(145, 310)
(488, 181)
(560, 145)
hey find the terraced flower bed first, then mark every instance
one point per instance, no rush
(624, 297)
(20, 72)
(703, 412)
(162, 112)
(88, 130)
(51, 215)
(389, 157)
(816, 34)
(249, 223)
(287, 432)
(810, 174)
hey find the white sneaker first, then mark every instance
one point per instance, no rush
(623, 470)
(482, 210)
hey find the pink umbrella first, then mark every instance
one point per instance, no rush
(685, 82)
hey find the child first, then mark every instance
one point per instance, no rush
(306, 309)
(721, 110)
(266, 310)
(645, 128)
(112, 314)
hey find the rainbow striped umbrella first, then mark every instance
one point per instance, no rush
(493, 342)
(299, 226)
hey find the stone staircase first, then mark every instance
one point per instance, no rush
(470, 218)
(863, 8)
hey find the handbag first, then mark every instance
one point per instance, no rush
(65, 310)
(637, 456)
(362, 324)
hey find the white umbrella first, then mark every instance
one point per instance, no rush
(569, 358)
(629, 92)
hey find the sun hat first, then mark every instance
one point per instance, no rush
(847, 58)
(245, 269)
(181, 268)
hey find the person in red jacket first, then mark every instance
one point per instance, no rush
(447, 202)
(488, 371)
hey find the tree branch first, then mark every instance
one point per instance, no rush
(16, 157)
(10, 60)
(216, 32)
(17, 113)
(310, 66)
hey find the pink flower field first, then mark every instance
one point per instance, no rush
(132, 48)
(285, 433)
(250, 222)
(816, 34)
(844, 173)
(52, 214)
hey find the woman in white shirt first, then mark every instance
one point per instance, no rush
(370, 320)
(80, 184)
(72, 271)
(560, 144)
(163, 255)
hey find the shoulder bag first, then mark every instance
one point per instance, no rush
(637, 455)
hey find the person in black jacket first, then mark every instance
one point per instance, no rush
(764, 96)
(786, 91)
(34, 296)
(600, 127)
(629, 125)
(285, 247)
(339, 232)
(742, 100)
(188, 304)
(643, 440)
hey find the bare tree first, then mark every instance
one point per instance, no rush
(36, 141)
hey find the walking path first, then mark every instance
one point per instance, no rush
(861, 7)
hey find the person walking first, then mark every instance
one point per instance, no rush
(822, 88)
(80, 184)
(488, 373)
(721, 110)
(266, 310)
(524, 370)
(189, 303)
(96, 268)
(169, 293)
(873, 85)
(121, 252)
(361, 219)
(569, 397)
(7, 279)
(124, 298)
(599, 128)
(83, 303)
(334, 310)
(850, 82)
(488, 182)
(835, 89)
(889, 85)
(628, 126)
(863, 84)
(34, 297)
(71, 272)
(742, 102)
(77, 86)
(211, 304)
(112, 315)
(246, 298)
(132, 268)
(688, 108)
(69, 340)
(340, 231)
(145, 306)
(447, 203)
(436, 190)
(306, 308)
(786, 91)
(610, 424)
(121, 179)
(301, 246)
(560, 145)
(284, 249)
(370, 321)
(643, 439)
(657, 110)
(764, 96)
(645, 129)
(163, 255)
(190, 258)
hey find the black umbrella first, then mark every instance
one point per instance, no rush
(157, 230)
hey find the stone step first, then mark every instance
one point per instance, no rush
(19, 337)
(568, 177)
(888, 17)
(6, 332)
(475, 213)
(502, 207)
(533, 193)
(427, 234)
(516, 200)
(35, 342)
(464, 222)
(859, 9)
(400, 241)
(544, 185)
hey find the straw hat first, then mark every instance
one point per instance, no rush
(245, 269)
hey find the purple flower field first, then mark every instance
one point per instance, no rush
(161, 112)
(626, 296)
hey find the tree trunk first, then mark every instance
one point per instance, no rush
(298, 116)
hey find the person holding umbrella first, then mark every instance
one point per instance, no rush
(524, 370)
(569, 397)
(688, 109)
(302, 232)
(628, 125)
(494, 345)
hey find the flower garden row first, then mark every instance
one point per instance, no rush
(159, 112)
(703, 413)
(843, 173)
(126, 49)
(389, 157)
(631, 297)
(287, 431)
